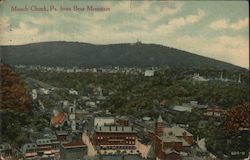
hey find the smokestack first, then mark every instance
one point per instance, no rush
(221, 75)
(239, 80)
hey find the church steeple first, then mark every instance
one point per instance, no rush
(159, 126)
(159, 120)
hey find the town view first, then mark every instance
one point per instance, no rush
(124, 80)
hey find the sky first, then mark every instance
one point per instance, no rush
(215, 29)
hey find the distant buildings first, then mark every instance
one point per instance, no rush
(73, 92)
(197, 77)
(149, 73)
(34, 94)
(215, 112)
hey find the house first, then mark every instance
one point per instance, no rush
(170, 142)
(62, 136)
(149, 73)
(59, 120)
(29, 150)
(197, 77)
(44, 91)
(34, 94)
(115, 139)
(73, 92)
(55, 143)
(214, 112)
(44, 147)
(179, 108)
(75, 149)
(6, 151)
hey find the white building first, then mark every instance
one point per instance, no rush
(101, 121)
(34, 94)
(197, 77)
(149, 73)
(73, 92)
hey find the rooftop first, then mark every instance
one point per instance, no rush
(170, 138)
(122, 129)
(29, 146)
(58, 119)
(177, 131)
(44, 141)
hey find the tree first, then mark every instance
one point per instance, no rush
(237, 119)
(13, 94)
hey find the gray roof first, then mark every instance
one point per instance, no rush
(28, 146)
(4, 146)
(170, 138)
(44, 141)
(177, 131)
(122, 129)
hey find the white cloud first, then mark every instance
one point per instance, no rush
(180, 22)
(226, 48)
(225, 24)
(20, 35)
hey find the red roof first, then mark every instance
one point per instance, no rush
(58, 119)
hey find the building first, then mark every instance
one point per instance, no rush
(34, 94)
(115, 139)
(101, 121)
(62, 136)
(72, 116)
(122, 121)
(197, 77)
(149, 73)
(179, 108)
(59, 120)
(75, 149)
(6, 151)
(169, 143)
(44, 147)
(214, 112)
(29, 150)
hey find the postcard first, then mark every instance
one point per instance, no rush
(124, 80)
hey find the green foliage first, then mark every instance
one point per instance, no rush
(126, 55)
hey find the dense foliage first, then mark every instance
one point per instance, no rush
(12, 92)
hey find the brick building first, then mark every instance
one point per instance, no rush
(113, 139)
(169, 142)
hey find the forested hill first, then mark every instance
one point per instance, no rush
(90, 55)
